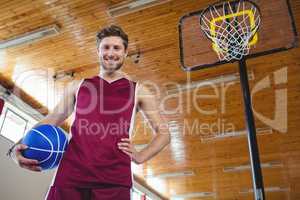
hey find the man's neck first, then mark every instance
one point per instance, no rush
(111, 75)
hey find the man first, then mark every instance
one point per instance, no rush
(96, 164)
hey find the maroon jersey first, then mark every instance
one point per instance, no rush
(104, 113)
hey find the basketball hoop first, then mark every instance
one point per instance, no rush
(232, 29)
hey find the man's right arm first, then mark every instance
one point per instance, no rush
(64, 108)
(60, 113)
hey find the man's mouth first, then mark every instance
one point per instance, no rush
(111, 60)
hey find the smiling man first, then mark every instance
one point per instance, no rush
(96, 165)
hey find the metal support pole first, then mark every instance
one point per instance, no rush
(257, 179)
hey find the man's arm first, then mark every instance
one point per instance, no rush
(64, 108)
(61, 112)
(148, 106)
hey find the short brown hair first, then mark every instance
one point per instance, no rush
(112, 30)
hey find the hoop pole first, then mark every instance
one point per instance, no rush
(257, 179)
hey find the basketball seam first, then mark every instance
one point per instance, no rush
(45, 150)
(36, 131)
(58, 146)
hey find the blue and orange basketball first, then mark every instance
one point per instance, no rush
(46, 143)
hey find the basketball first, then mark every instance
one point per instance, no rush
(46, 143)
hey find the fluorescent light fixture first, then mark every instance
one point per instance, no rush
(132, 6)
(172, 175)
(30, 36)
(260, 131)
(20, 104)
(192, 195)
(267, 189)
(274, 164)
(204, 83)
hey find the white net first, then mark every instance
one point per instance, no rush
(232, 28)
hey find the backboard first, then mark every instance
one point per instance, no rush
(277, 32)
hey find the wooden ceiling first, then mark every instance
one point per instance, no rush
(154, 33)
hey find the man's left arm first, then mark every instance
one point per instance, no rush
(148, 106)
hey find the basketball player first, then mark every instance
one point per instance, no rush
(96, 164)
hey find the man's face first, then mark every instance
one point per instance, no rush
(111, 53)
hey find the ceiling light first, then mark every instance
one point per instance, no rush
(204, 83)
(261, 131)
(273, 164)
(267, 189)
(132, 6)
(17, 102)
(192, 195)
(30, 36)
(172, 175)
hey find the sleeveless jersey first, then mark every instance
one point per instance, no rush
(104, 113)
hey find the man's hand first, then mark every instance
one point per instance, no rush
(128, 148)
(24, 162)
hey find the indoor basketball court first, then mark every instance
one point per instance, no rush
(201, 101)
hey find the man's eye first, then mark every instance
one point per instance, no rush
(116, 47)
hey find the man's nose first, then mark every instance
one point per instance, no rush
(110, 52)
